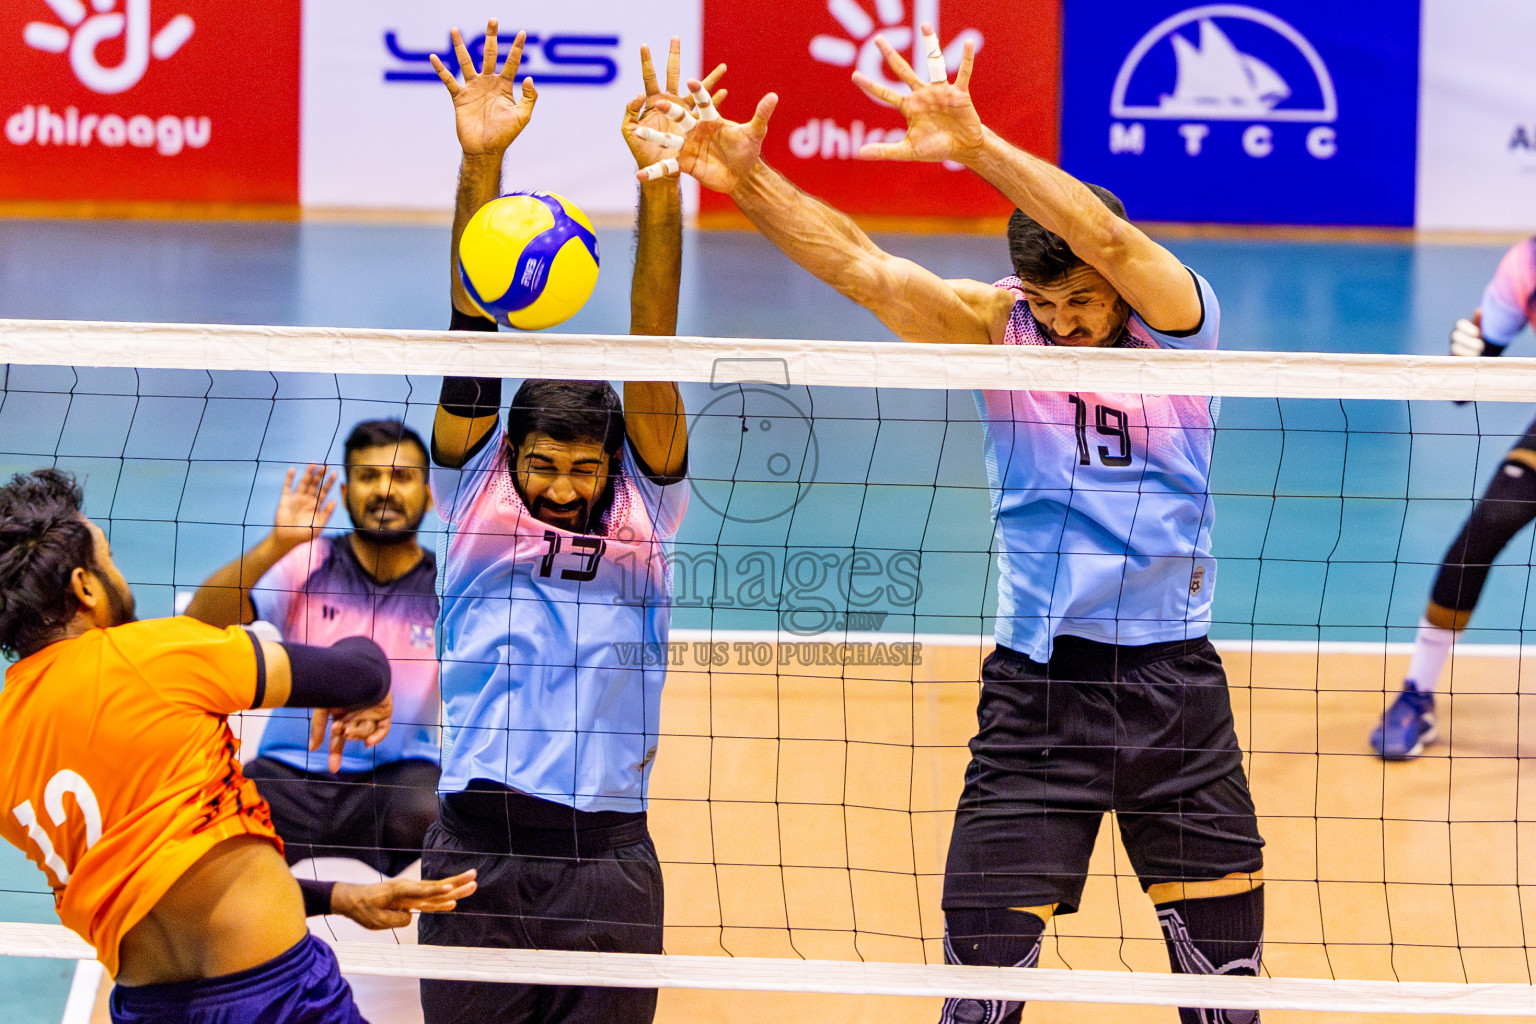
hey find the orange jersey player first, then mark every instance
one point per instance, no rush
(118, 778)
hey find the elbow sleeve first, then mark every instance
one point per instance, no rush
(352, 672)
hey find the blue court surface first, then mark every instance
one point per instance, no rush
(1331, 517)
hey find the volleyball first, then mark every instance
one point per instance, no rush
(529, 259)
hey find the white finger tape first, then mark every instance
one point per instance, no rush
(937, 72)
(684, 119)
(705, 105)
(663, 169)
(664, 139)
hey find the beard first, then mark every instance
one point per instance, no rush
(385, 536)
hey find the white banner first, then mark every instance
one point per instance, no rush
(1477, 116)
(377, 125)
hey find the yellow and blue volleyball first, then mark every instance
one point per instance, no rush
(529, 259)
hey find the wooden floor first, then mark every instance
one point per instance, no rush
(804, 814)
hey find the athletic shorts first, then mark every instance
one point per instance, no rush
(302, 986)
(1142, 731)
(378, 817)
(549, 878)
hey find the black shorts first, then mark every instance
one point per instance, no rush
(549, 878)
(378, 817)
(1142, 731)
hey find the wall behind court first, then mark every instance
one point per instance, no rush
(1419, 113)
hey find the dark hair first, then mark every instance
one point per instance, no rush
(567, 410)
(43, 540)
(1042, 256)
(376, 434)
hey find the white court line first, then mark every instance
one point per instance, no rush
(756, 974)
(862, 364)
(82, 992)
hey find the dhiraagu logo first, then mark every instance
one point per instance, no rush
(82, 30)
(854, 47)
(1224, 63)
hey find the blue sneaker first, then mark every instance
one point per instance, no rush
(1407, 725)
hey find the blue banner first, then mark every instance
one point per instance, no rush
(1282, 112)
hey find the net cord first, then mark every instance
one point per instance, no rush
(756, 974)
(722, 361)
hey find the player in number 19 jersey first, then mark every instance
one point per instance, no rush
(1103, 692)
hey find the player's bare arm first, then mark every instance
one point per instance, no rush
(488, 118)
(915, 303)
(942, 124)
(653, 410)
(224, 599)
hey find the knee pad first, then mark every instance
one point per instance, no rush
(1215, 935)
(1505, 507)
(989, 938)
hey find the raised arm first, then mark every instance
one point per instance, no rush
(653, 410)
(488, 117)
(915, 303)
(942, 124)
(224, 599)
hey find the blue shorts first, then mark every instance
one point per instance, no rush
(303, 986)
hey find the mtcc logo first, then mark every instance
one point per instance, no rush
(1224, 62)
(81, 35)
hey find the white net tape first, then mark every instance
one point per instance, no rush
(757, 974)
(729, 360)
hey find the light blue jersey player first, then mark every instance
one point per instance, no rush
(1103, 693)
(554, 575)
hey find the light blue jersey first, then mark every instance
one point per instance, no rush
(544, 633)
(1101, 503)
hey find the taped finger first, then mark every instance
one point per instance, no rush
(937, 72)
(684, 120)
(664, 139)
(662, 169)
(702, 103)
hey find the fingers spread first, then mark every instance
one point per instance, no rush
(765, 109)
(877, 91)
(898, 63)
(664, 139)
(662, 169)
(488, 58)
(530, 94)
(648, 72)
(674, 63)
(967, 61)
(719, 97)
(885, 151)
(466, 65)
(937, 72)
(514, 59)
(711, 79)
(704, 107)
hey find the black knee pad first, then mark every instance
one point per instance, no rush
(1216, 935)
(1505, 507)
(989, 938)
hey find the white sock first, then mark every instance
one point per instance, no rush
(1431, 646)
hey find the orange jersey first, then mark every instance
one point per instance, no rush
(118, 768)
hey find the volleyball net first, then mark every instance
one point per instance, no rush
(834, 591)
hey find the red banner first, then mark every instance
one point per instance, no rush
(150, 100)
(805, 50)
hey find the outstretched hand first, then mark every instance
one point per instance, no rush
(718, 152)
(302, 510)
(942, 123)
(649, 128)
(486, 110)
(388, 904)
